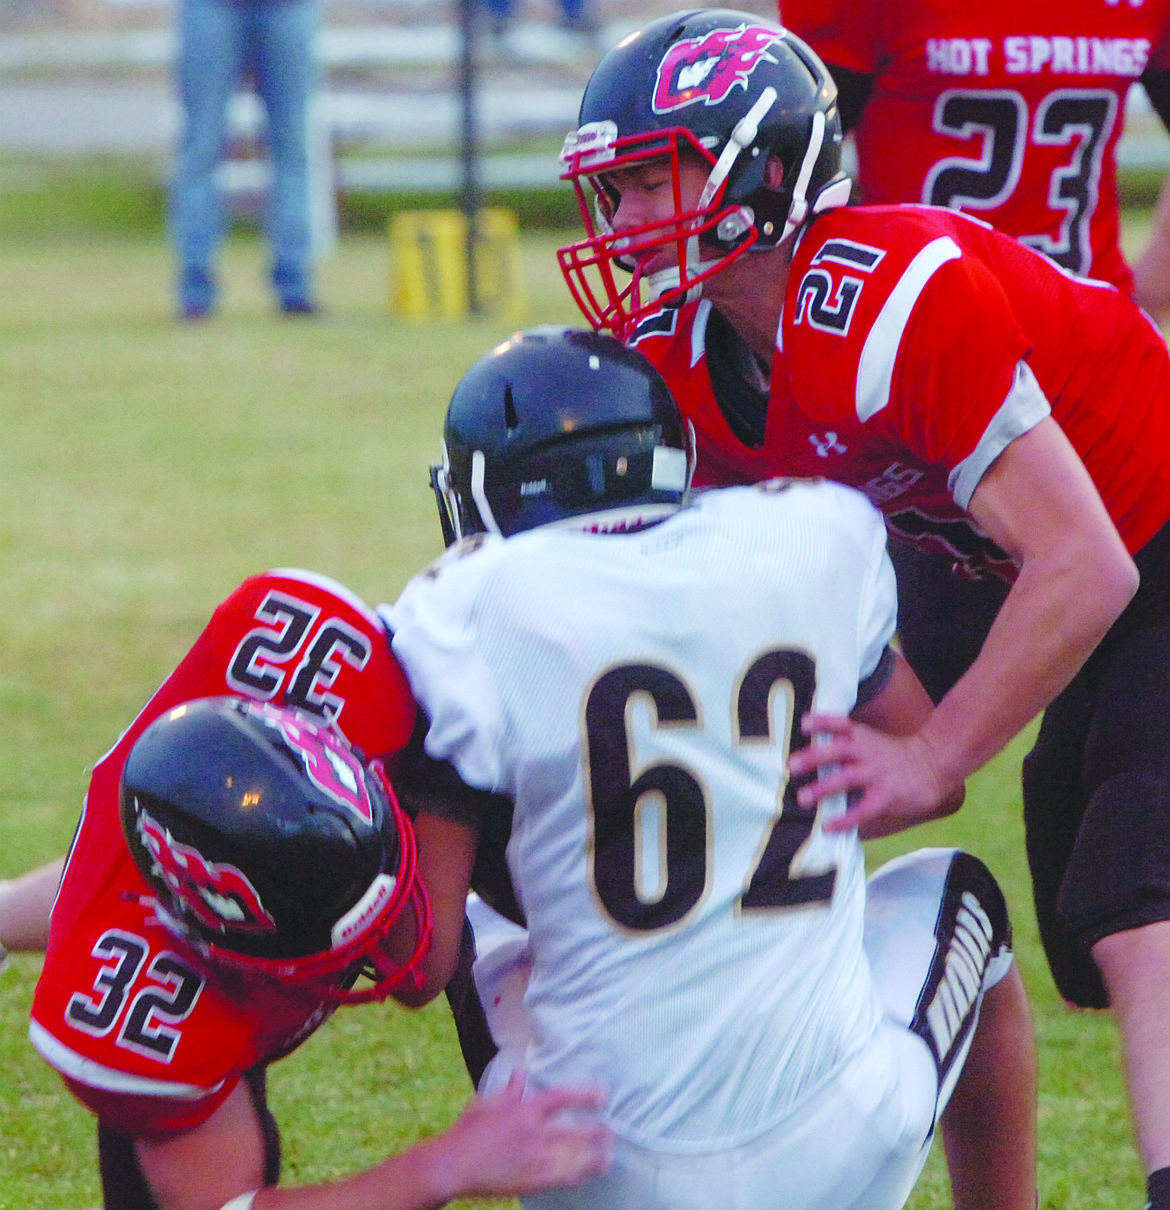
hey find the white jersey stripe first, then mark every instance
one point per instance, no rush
(1024, 406)
(875, 368)
(96, 1075)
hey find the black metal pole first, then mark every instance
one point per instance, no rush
(470, 199)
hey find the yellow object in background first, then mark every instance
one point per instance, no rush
(430, 269)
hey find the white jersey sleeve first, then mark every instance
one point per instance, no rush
(696, 937)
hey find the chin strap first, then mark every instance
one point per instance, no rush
(479, 494)
(798, 210)
(671, 279)
(742, 137)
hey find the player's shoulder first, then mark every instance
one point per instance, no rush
(856, 280)
(449, 583)
(295, 639)
(295, 589)
(881, 242)
(827, 505)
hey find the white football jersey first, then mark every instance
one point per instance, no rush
(697, 939)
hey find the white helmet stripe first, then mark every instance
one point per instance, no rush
(799, 208)
(743, 136)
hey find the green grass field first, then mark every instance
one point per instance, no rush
(146, 467)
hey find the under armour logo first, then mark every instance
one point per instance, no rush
(825, 444)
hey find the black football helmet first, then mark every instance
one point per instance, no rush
(731, 88)
(558, 424)
(272, 847)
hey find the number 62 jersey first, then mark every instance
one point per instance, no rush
(142, 1031)
(696, 937)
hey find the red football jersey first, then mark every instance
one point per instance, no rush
(1009, 112)
(143, 1031)
(915, 344)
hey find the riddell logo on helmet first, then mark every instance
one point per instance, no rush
(706, 69)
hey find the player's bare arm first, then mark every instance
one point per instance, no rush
(446, 854)
(899, 710)
(1075, 579)
(500, 1146)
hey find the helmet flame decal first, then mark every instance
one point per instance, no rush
(219, 894)
(706, 69)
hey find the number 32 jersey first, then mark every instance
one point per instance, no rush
(696, 937)
(142, 1032)
(1008, 111)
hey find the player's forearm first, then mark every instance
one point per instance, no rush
(446, 856)
(1057, 612)
(1038, 502)
(418, 1179)
(502, 1145)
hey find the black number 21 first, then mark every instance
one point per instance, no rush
(614, 793)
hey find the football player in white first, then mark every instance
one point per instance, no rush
(614, 673)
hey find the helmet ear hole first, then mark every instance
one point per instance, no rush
(773, 173)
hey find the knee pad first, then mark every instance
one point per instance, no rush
(1118, 874)
(969, 937)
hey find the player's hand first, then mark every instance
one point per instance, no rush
(893, 782)
(506, 1144)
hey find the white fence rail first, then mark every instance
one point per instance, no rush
(42, 99)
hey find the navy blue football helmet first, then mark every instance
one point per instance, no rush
(272, 847)
(558, 425)
(731, 89)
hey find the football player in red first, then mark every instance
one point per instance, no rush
(238, 872)
(996, 408)
(1020, 129)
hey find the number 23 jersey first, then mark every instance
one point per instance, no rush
(1008, 111)
(142, 1031)
(696, 938)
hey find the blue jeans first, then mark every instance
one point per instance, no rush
(220, 43)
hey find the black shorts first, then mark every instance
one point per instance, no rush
(1097, 790)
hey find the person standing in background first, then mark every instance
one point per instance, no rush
(219, 44)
